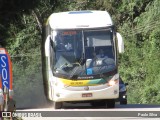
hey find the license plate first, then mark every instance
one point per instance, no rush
(87, 95)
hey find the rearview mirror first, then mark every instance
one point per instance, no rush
(120, 43)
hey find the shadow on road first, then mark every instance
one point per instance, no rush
(88, 106)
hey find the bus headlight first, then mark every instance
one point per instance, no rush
(112, 82)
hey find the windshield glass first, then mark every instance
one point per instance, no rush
(83, 52)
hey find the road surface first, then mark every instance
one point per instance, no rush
(86, 112)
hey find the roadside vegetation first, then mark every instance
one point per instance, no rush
(138, 21)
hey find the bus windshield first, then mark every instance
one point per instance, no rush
(83, 52)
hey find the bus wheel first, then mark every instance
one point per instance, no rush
(58, 105)
(110, 103)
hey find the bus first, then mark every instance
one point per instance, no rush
(79, 58)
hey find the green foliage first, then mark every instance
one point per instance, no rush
(142, 47)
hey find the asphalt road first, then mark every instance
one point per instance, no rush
(86, 112)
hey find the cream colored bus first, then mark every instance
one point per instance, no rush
(79, 58)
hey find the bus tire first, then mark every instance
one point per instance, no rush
(57, 105)
(111, 103)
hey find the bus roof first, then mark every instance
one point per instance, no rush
(79, 19)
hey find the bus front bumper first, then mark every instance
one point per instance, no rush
(61, 95)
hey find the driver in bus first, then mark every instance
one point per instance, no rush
(102, 59)
(97, 59)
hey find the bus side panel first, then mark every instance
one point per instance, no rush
(45, 33)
